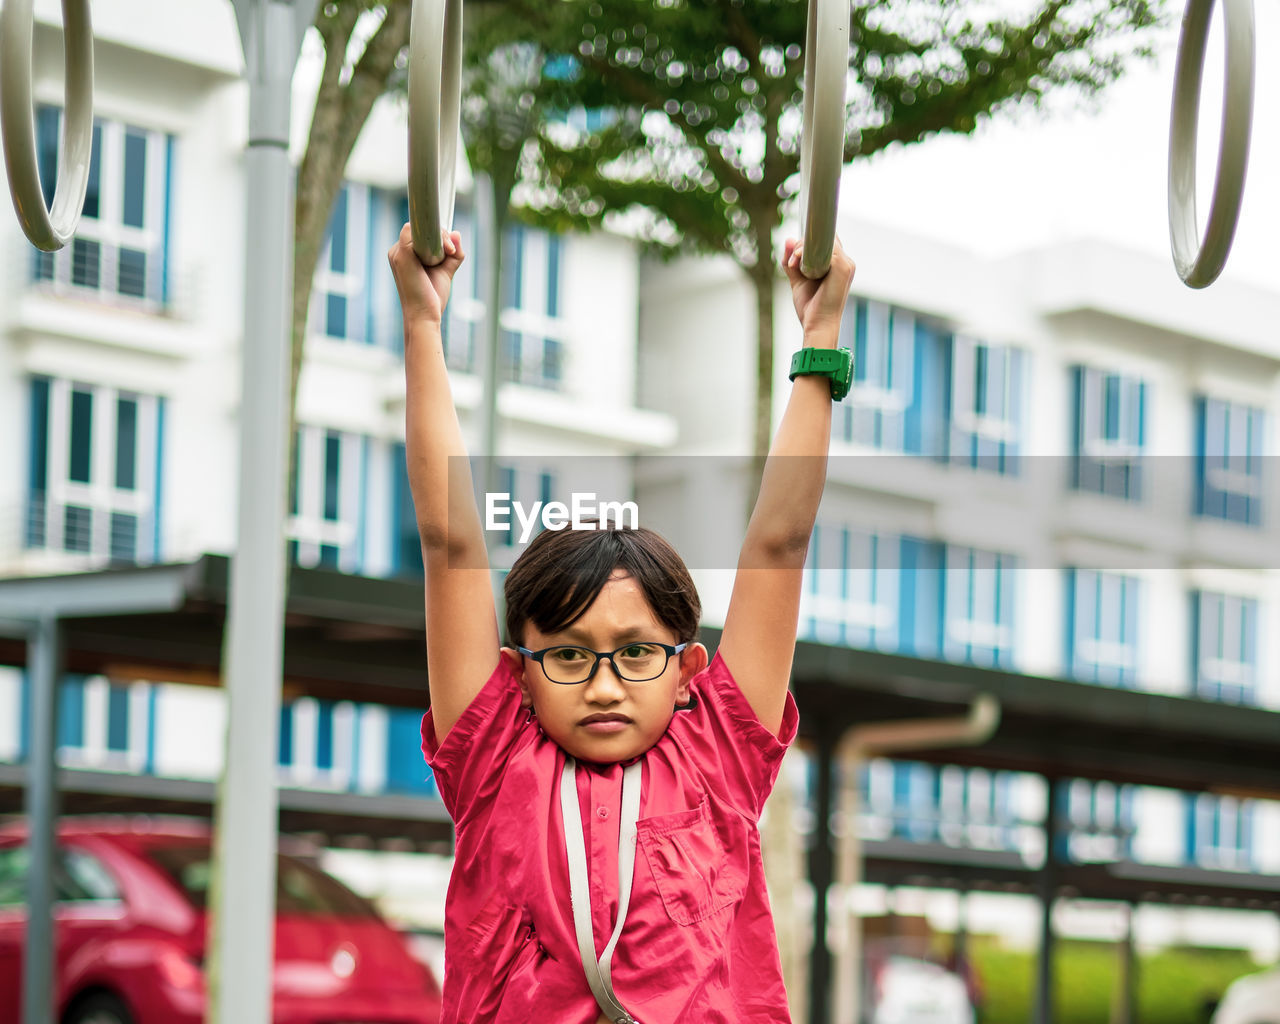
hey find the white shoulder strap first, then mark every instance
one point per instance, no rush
(598, 976)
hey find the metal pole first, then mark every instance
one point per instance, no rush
(820, 872)
(242, 921)
(1047, 885)
(489, 220)
(44, 659)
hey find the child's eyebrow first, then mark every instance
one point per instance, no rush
(621, 636)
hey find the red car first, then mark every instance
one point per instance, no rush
(131, 933)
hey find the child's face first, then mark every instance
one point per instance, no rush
(640, 712)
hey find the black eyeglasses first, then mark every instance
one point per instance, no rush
(636, 663)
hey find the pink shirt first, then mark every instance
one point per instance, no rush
(698, 946)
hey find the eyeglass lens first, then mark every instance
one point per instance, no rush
(635, 663)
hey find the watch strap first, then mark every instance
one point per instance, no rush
(836, 364)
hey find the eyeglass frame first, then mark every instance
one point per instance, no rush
(671, 652)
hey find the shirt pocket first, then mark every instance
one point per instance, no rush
(498, 943)
(696, 867)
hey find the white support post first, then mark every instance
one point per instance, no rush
(244, 879)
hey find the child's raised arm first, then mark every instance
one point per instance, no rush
(462, 625)
(759, 636)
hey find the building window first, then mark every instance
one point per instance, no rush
(1224, 652)
(102, 725)
(343, 271)
(1109, 433)
(1229, 450)
(121, 241)
(978, 607)
(882, 339)
(986, 405)
(94, 471)
(850, 591)
(1102, 627)
(319, 743)
(1220, 832)
(325, 522)
(406, 553)
(531, 349)
(965, 807)
(1100, 816)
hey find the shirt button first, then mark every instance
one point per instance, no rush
(602, 813)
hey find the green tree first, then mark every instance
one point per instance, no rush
(701, 103)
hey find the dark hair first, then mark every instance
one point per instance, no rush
(561, 572)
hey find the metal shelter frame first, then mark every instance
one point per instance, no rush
(364, 639)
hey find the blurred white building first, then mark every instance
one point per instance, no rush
(1053, 461)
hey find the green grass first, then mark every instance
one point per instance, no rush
(1173, 984)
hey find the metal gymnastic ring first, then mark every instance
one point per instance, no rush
(435, 104)
(826, 65)
(1200, 262)
(49, 230)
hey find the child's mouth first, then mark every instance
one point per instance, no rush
(605, 723)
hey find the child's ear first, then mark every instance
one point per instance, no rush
(693, 659)
(516, 661)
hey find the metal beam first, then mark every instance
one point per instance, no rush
(114, 592)
(42, 813)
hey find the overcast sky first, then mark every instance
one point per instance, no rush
(1086, 174)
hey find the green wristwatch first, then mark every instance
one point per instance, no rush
(834, 363)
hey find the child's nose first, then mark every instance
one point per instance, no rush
(606, 682)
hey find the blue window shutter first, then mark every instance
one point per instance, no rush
(324, 734)
(921, 597)
(79, 460)
(24, 715)
(117, 718)
(47, 129)
(1077, 423)
(1070, 627)
(1142, 415)
(70, 705)
(285, 745)
(1011, 451)
(860, 367)
(153, 700)
(157, 500)
(1196, 601)
(407, 772)
(170, 151)
(1132, 599)
(373, 212)
(554, 245)
(1198, 489)
(38, 471)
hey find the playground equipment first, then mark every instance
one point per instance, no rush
(435, 106)
(435, 87)
(826, 64)
(48, 229)
(1199, 263)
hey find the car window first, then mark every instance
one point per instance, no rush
(77, 876)
(84, 878)
(13, 876)
(301, 888)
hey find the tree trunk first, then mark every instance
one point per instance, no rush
(343, 105)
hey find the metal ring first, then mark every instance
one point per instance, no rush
(49, 230)
(435, 106)
(1200, 262)
(826, 65)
